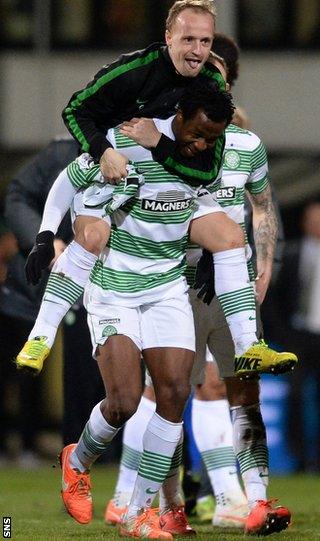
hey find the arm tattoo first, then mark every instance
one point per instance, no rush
(265, 227)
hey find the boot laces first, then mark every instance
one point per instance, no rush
(147, 518)
(268, 503)
(35, 348)
(180, 516)
(81, 486)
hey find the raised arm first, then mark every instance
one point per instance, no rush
(104, 102)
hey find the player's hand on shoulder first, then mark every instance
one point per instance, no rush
(141, 130)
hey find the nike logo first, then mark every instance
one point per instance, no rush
(149, 491)
(261, 474)
(64, 484)
(247, 363)
(251, 318)
(141, 103)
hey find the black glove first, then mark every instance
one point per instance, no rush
(204, 280)
(40, 257)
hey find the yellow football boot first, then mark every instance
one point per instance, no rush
(32, 355)
(260, 359)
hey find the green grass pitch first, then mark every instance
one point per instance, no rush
(32, 499)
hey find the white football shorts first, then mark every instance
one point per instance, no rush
(78, 208)
(164, 323)
(205, 203)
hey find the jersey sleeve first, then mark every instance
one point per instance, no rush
(58, 203)
(82, 172)
(259, 177)
(92, 110)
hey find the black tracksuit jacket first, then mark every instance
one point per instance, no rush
(25, 199)
(140, 84)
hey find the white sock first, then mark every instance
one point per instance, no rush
(66, 282)
(93, 441)
(132, 447)
(159, 443)
(236, 296)
(255, 486)
(135, 427)
(212, 431)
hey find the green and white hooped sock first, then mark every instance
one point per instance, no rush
(94, 440)
(132, 447)
(159, 443)
(213, 432)
(236, 296)
(171, 494)
(67, 279)
(250, 445)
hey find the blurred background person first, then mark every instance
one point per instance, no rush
(298, 292)
(24, 201)
(8, 247)
(19, 304)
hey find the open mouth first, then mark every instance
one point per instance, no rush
(193, 63)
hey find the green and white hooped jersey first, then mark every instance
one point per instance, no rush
(83, 172)
(145, 257)
(245, 167)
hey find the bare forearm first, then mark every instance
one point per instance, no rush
(265, 232)
(265, 226)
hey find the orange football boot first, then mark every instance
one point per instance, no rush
(145, 526)
(76, 488)
(113, 514)
(175, 521)
(265, 519)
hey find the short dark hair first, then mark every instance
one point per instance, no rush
(206, 95)
(227, 48)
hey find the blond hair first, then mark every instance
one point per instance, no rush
(206, 6)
